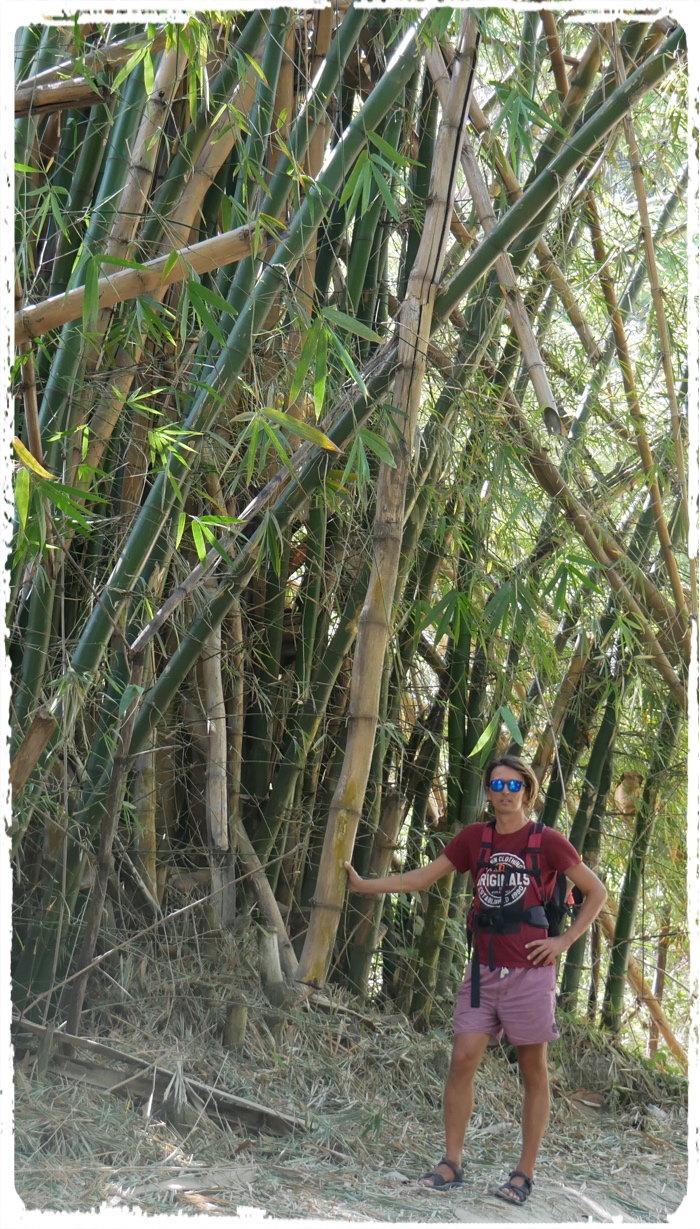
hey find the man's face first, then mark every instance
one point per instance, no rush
(505, 798)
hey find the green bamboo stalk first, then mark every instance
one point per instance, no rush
(304, 727)
(365, 227)
(600, 754)
(526, 75)
(429, 946)
(419, 180)
(258, 761)
(66, 363)
(575, 956)
(645, 822)
(82, 187)
(209, 402)
(311, 596)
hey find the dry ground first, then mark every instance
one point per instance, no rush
(370, 1094)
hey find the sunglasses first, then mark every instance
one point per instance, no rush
(498, 786)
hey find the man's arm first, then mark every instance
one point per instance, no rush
(413, 881)
(545, 951)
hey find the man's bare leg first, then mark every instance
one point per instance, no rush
(467, 1053)
(532, 1060)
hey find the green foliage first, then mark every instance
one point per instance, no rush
(496, 585)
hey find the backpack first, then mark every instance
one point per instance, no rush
(508, 919)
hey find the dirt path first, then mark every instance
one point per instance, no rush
(368, 1092)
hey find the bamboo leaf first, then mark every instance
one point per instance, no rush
(307, 353)
(348, 362)
(91, 295)
(304, 430)
(148, 74)
(487, 735)
(321, 373)
(22, 495)
(499, 605)
(29, 460)
(58, 496)
(378, 446)
(198, 296)
(350, 323)
(181, 522)
(512, 725)
(385, 192)
(131, 692)
(198, 539)
(389, 152)
(127, 68)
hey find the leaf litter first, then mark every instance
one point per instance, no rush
(364, 1105)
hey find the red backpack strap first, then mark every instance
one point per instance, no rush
(533, 853)
(486, 847)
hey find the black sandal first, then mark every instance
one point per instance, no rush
(440, 1183)
(519, 1193)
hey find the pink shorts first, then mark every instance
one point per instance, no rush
(521, 1004)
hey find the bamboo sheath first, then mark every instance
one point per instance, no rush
(376, 616)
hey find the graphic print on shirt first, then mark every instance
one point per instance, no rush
(490, 884)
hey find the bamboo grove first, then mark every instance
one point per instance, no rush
(351, 424)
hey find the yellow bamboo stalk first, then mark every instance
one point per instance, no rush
(481, 198)
(579, 658)
(111, 56)
(139, 176)
(151, 279)
(561, 79)
(635, 409)
(216, 149)
(643, 990)
(661, 323)
(375, 619)
(215, 786)
(542, 250)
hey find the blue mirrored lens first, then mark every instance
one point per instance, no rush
(498, 786)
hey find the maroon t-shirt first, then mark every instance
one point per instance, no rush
(556, 855)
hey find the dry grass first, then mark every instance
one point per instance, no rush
(372, 1098)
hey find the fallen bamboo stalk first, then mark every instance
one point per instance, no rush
(644, 992)
(156, 1079)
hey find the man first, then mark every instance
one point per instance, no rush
(514, 968)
